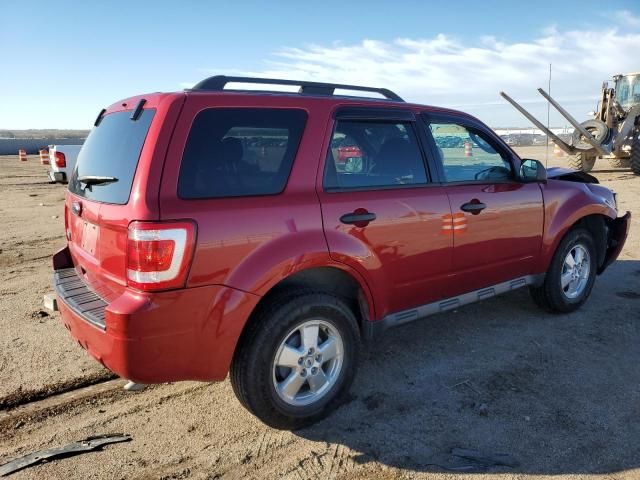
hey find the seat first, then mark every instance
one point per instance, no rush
(397, 159)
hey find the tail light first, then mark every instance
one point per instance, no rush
(159, 254)
(347, 152)
(61, 161)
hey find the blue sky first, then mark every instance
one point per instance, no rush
(64, 61)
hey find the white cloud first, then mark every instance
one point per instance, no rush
(446, 71)
(626, 18)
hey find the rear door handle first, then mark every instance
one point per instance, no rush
(357, 218)
(473, 207)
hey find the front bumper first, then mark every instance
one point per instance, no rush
(187, 334)
(618, 231)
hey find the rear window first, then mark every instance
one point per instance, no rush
(233, 152)
(112, 149)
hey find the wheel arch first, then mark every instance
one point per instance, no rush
(596, 223)
(336, 279)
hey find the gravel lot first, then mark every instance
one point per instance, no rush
(560, 394)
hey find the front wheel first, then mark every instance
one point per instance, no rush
(297, 359)
(582, 161)
(570, 276)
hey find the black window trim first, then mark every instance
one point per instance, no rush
(493, 139)
(374, 113)
(378, 115)
(253, 195)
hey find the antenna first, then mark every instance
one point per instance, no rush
(546, 154)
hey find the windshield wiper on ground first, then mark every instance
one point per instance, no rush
(90, 180)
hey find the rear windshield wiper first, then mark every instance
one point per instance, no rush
(90, 180)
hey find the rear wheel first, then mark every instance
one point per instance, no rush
(582, 161)
(297, 360)
(635, 153)
(571, 274)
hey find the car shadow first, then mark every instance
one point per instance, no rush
(557, 394)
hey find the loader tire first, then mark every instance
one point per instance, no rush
(581, 161)
(620, 162)
(635, 153)
(598, 130)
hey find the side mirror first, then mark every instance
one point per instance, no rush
(532, 171)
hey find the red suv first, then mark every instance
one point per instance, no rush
(216, 230)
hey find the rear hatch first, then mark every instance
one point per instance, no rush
(111, 186)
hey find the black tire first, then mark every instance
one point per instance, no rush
(635, 153)
(620, 162)
(596, 128)
(582, 161)
(252, 375)
(550, 295)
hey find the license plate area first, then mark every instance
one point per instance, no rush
(89, 239)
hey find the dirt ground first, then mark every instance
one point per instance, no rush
(560, 394)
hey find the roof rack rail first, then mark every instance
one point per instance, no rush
(218, 82)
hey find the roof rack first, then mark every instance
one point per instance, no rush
(218, 82)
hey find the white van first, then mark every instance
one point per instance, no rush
(62, 159)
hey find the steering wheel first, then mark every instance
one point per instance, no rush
(493, 173)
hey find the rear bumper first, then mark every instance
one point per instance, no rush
(187, 334)
(619, 229)
(59, 177)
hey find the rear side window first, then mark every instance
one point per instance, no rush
(234, 152)
(369, 155)
(112, 150)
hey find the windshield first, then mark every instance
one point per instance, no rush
(628, 90)
(109, 157)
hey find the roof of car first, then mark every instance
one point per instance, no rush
(318, 91)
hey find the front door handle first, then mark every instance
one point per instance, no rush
(358, 219)
(474, 207)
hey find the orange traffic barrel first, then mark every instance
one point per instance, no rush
(22, 155)
(468, 149)
(44, 156)
(557, 151)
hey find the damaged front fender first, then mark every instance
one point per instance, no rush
(568, 175)
(618, 231)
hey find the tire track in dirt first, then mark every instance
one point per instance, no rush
(22, 397)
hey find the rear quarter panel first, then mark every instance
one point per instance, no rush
(249, 243)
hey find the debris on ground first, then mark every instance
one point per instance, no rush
(486, 459)
(75, 448)
(134, 387)
(51, 302)
(39, 314)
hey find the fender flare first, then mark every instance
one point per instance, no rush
(277, 260)
(561, 224)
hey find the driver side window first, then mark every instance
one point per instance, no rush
(466, 154)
